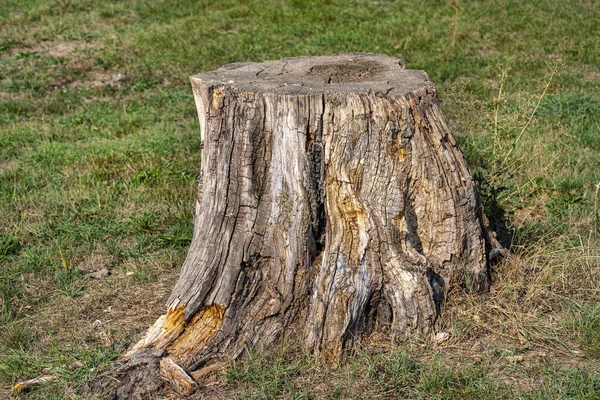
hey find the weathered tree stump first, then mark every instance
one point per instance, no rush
(334, 200)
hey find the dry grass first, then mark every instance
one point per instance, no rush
(108, 315)
(534, 293)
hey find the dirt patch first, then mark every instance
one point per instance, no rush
(74, 54)
(592, 76)
(12, 96)
(96, 262)
(61, 49)
(9, 165)
(97, 79)
(110, 313)
(58, 49)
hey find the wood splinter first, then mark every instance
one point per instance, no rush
(177, 377)
(21, 386)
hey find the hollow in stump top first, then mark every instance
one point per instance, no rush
(349, 72)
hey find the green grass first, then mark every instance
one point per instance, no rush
(585, 325)
(98, 172)
(401, 374)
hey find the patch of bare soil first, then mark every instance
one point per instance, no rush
(96, 262)
(7, 166)
(11, 96)
(61, 49)
(76, 55)
(96, 79)
(57, 49)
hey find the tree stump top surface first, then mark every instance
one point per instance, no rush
(349, 72)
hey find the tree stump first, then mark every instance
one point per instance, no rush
(334, 201)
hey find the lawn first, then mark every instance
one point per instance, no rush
(100, 152)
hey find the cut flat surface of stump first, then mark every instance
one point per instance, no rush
(334, 201)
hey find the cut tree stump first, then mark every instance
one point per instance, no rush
(334, 202)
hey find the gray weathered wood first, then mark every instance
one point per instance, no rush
(334, 199)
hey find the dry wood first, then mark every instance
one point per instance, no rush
(177, 377)
(22, 386)
(333, 199)
(201, 374)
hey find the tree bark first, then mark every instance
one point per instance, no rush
(334, 200)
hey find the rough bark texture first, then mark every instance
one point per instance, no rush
(333, 199)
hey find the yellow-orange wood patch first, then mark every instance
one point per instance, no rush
(202, 327)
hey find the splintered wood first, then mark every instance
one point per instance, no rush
(25, 385)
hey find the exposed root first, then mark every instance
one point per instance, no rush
(201, 374)
(170, 335)
(141, 375)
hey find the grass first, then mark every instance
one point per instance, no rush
(99, 155)
(413, 374)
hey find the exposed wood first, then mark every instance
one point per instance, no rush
(333, 199)
(22, 386)
(201, 374)
(171, 331)
(177, 377)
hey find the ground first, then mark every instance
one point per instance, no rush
(99, 156)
